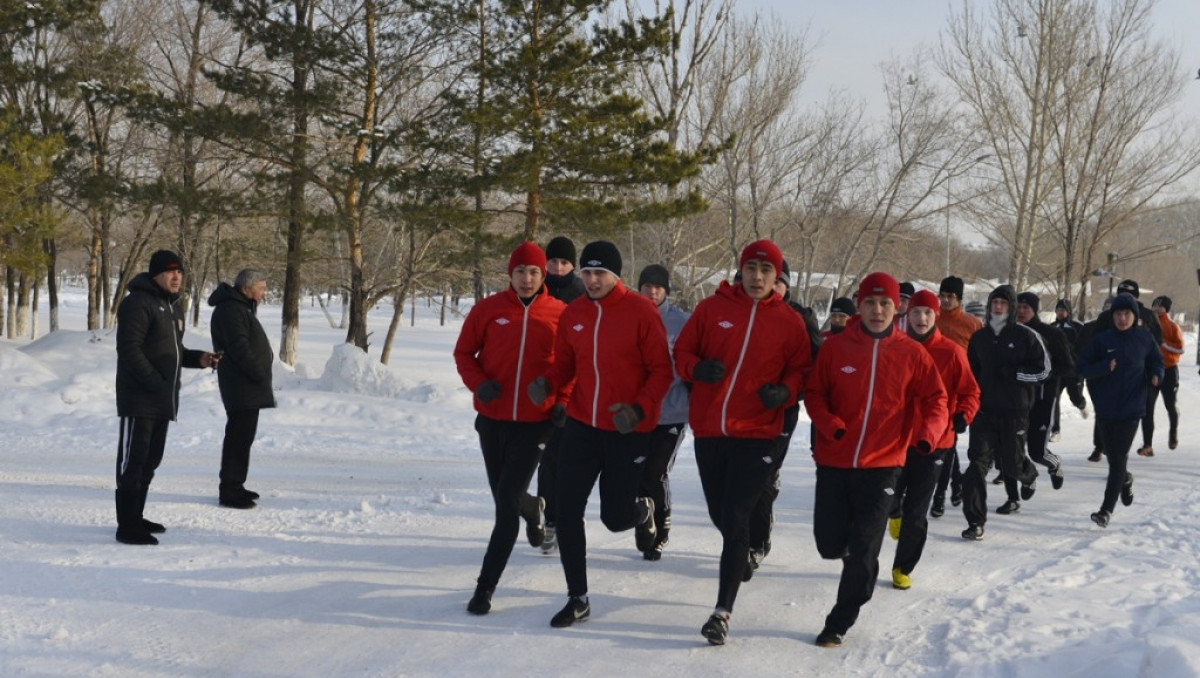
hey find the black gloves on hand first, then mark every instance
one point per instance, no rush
(626, 417)
(558, 415)
(488, 391)
(960, 422)
(839, 434)
(708, 371)
(539, 390)
(773, 395)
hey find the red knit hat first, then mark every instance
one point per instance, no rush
(763, 250)
(925, 299)
(527, 254)
(879, 284)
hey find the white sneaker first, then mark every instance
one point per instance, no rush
(550, 543)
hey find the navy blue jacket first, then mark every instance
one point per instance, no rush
(1120, 394)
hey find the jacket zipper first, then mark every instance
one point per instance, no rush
(521, 358)
(870, 400)
(738, 368)
(596, 364)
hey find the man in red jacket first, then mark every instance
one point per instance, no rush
(746, 353)
(872, 394)
(919, 479)
(612, 344)
(508, 339)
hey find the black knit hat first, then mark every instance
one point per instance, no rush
(164, 260)
(907, 290)
(1064, 304)
(657, 275)
(843, 305)
(952, 285)
(1129, 287)
(1163, 301)
(603, 255)
(1029, 299)
(785, 276)
(561, 247)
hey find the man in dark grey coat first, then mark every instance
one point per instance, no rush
(244, 376)
(150, 358)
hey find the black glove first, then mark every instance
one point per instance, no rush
(626, 417)
(924, 447)
(488, 391)
(839, 434)
(558, 415)
(539, 390)
(773, 395)
(708, 371)
(960, 422)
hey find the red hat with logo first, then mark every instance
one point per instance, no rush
(879, 284)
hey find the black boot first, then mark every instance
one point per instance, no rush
(129, 519)
(233, 496)
(151, 526)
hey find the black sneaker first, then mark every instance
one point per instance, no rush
(1127, 490)
(939, 507)
(827, 638)
(715, 629)
(645, 533)
(1101, 518)
(1173, 441)
(753, 559)
(1028, 490)
(237, 501)
(998, 480)
(153, 527)
(1096, 454)
(956, 496)
(1146, 451)
(576, 610)
(136, 536)
(1009, 507)
(1056, 477)
(533, 510)
(973, 533)
(660, 543)
(481, 602)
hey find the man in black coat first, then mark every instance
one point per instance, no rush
(1071, 328)
(1062, 368)
(150, 358)
(244, 376)
(1008, 360)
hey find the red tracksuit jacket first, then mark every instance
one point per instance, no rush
(962, 392)
(615, 350)
(504, 340)
(759, 342)
(885, 394)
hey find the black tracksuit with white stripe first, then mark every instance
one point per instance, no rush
(150, 358)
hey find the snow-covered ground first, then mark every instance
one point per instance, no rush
(375, 514)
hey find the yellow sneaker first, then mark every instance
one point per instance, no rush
(894, 527)
(900, 580)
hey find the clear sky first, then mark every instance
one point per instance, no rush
(857, 35)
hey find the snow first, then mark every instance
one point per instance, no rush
(375, 515)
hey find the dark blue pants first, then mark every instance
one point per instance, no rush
(588, 454)
(733, 473)
(1118, 435)
(510, 455)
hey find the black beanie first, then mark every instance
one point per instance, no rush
(785, 276)
(601, 254)
(1064, 304)
(952, 285)
(1163, 301)
(907, 290)
(1129, 287)
(164, 260)
(654, 274)
(561, 247)
(843, 305)
(1030, 299)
